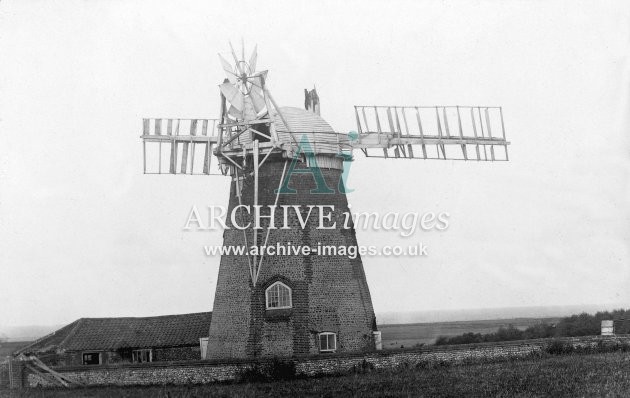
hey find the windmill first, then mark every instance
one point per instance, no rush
(292, 158)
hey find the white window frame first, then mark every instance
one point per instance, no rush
(136, 353)
(327, 334)
(268, 290)
(100, 357)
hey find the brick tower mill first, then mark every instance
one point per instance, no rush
(295, 305)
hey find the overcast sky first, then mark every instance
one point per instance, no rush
(83, 233)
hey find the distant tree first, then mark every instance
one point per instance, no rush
(539, 331)
(578, 325)
(588, 325)
(575, 325)
(466, 338)
(508, 333)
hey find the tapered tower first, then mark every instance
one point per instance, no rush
(291, 304)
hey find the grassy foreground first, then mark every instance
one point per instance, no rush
(575, 375)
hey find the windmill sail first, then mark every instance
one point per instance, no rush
(233, 95)
(250, 113)
(229, 72)
(438, 132)
(253, 58)
(178, 146)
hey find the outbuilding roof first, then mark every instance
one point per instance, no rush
(114, 333)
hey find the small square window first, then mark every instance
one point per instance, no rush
(141, 356)
(91, 358)
(327, 342)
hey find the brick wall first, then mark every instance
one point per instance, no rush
(211, 371)
(330, 293)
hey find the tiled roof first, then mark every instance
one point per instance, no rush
(115, 333)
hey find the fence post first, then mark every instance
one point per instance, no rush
(10, 373)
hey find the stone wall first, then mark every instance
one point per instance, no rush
(189, 372)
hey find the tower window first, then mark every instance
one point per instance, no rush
(327, 342)
(278, 296)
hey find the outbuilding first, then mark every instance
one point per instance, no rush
(98, 341)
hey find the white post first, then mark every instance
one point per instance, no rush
(608, 328)
(255, 204)
(378, 342)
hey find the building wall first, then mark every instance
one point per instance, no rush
(4, 374)
(330, 293)
(211, 371)
(12, 374)
(176, 354)
(75, 358)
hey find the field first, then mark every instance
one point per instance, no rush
(408, 335)
(590, 375)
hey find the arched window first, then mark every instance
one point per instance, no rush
(327, 342)
(278, 296)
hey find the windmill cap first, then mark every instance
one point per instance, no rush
(321, 137)
(301, 120)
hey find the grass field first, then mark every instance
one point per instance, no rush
(589, 375)
(411, 334)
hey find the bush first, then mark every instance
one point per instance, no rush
(539, 331)
(466, 338)
(611, 346)
(508, 333)
(280, 369)
(559, 347)
(251, 374)
(363, 367)
(276, 369)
